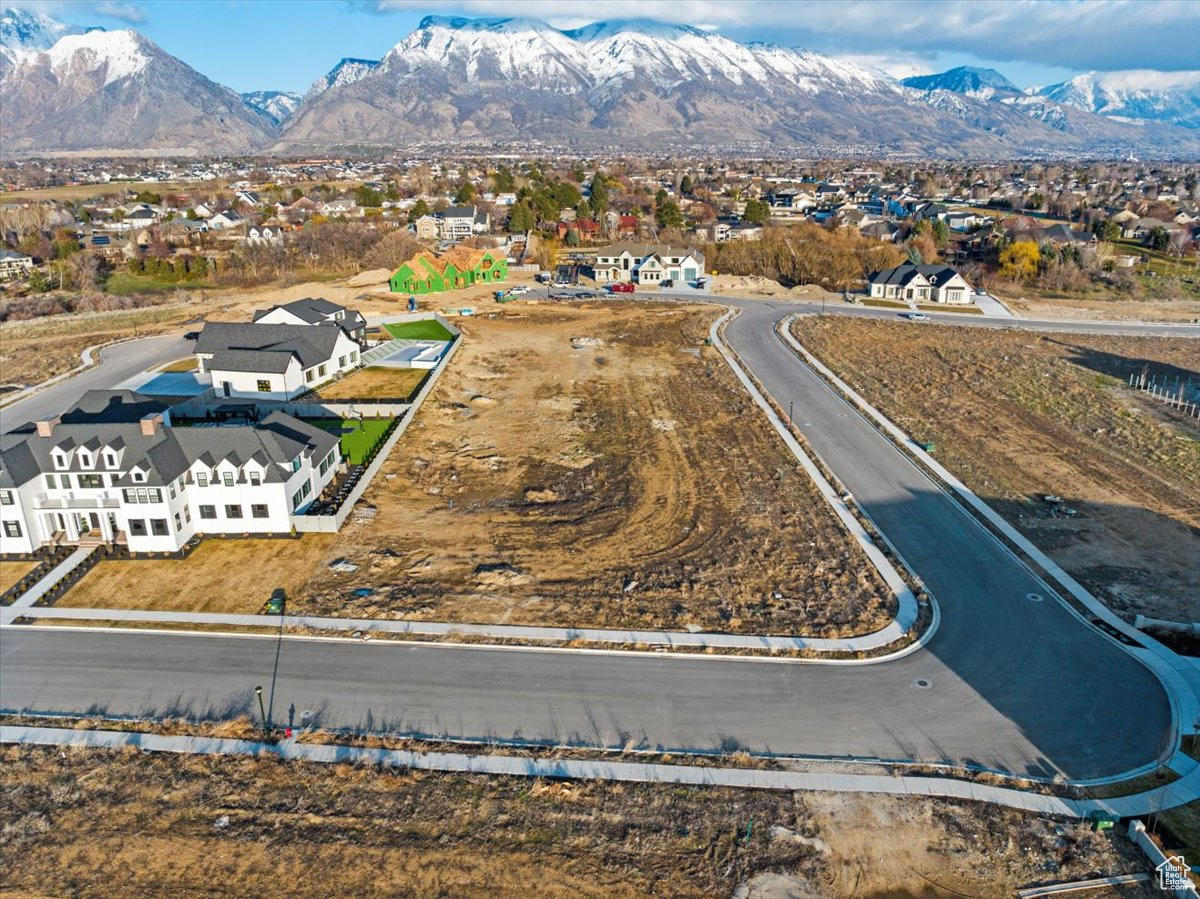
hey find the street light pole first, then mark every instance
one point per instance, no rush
(261, 708)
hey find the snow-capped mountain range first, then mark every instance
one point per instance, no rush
(278, 106)
(637, 83)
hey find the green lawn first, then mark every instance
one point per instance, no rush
(123, 284)
(425, 329)
(359, 442)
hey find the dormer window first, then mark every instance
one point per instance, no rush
(110, 460)
(139, 476)
(85, 461)
(60, 461)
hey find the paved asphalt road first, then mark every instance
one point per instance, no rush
(117, 363)
(1007, 682)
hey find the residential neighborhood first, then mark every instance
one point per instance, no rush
(480, 449)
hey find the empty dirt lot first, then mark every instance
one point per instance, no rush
(1019, 416)
(98, 823)
(629, 482)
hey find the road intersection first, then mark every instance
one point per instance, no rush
(1012, 681)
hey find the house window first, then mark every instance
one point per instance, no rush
(309, 375)
(187, 514)
(158, 527)
(258, 510)
(341, 361)
(137, 527)
(139, 476)
(90, 481)
(227, 477)
(142, 495)
(208, 512)
(255, 479)
(171, 489)
(60, 461)
(353, 355)
(264, 386)
(321, 370)
(155, 495)
(296, 464)
(110, 460)
(12, 529)
(85, 460)
(6, 498)
(130, 495)
(202, 478)
(178, 522)
(233, 511)
(50, 482)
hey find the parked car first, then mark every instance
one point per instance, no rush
(519, 289)
(621, 287)
(561, 283)
(668, 283)
(700, 282)
(586, 295)
(915, 316)
(561, 295)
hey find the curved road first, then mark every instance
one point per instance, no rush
(116, 363)
(1007, 682)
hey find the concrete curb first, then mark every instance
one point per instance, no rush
(908, 608)
(1180, 678)
(1178, 793)
(87, 360)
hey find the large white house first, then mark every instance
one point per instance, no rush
(286, 351)
(647, 264)
(113, 469)
(920, 284)
(314, 311)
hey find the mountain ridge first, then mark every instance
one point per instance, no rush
(631, 82)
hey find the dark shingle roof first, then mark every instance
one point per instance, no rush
(312, 344)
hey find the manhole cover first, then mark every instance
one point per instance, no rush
(922, 683)
(1034, 597)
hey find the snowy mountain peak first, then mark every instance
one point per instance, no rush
(23, 32)
(1172, 97)
(599, 58)
(970, 80)
(278, 106)
(120, 54)
(347, 71)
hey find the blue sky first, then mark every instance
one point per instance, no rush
(287, 44)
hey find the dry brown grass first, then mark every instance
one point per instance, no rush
(186, 364)
(375, 383)
(11, 572)
(98, 823)
(234, 576)
(632, 484)
(1017, 416)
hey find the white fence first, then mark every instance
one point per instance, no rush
(333, 523)
(1181, 394)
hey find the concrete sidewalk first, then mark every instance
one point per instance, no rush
(42, 587)
(437, 629)
(1181, 792)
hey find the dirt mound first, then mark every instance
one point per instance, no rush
(370, 278)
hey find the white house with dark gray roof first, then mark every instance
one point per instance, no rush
(314, 311)
(920, 284)
(114, 469)
(265, 361)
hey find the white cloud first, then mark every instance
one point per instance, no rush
(115, 9)
(1104, 35)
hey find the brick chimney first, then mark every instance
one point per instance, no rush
(46, 427)
(152, 424)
